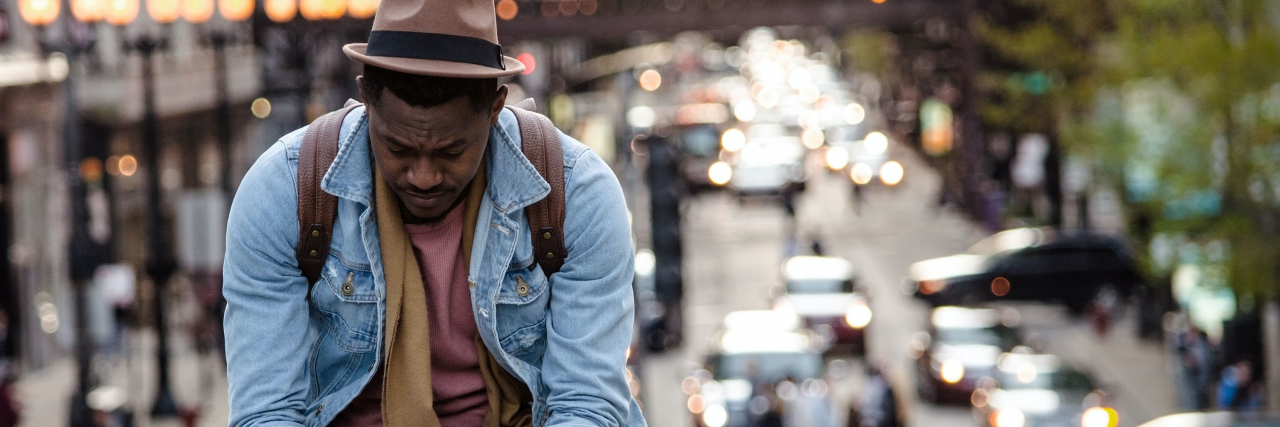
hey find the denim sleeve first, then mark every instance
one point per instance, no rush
(266, 320)
(592, 305)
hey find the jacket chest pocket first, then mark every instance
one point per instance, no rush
(523, 299)
(346, 299)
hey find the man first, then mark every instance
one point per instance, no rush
(431, 309)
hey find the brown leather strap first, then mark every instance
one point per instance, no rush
(316, 208)
(540, 142)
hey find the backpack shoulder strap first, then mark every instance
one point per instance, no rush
(316, 208)
(540, 142)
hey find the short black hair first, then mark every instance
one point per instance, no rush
(428, 91)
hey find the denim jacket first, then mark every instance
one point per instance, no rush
(298, 360)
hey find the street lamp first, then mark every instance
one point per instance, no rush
(39, 14)
(160, 263)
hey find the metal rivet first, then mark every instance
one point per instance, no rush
(315, 253)
(347, 287)
(550, 255)
(522, 288)
(315, 233)
(546, 235)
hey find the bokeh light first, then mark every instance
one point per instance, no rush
(235, 10)
(837, 158)
(854, 113)
(164, 11)
(733, 140)
(650, 80)
(507, 10)
(261, 108)
(128, 165)
(876, 143)
(39, 12)
(813, 138)
(362, 9)
(197, 11)
(281, 10)
(891, 173)
(121, 12)
(89, 11)
(861, 174)
(530, 63)
(720, 173)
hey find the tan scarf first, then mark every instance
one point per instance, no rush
(407, 399)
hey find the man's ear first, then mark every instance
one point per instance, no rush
(360, 86)
(499, 101)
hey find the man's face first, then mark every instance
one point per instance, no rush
(429, 155)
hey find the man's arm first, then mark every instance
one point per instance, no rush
(592, 306)
(267, 314)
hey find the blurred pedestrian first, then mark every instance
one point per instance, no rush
(1100, 310)
(788, 197)
(1195, 355)
(418, 289)
(816, 246)
(879, 407)
(10, 407)
(858, 199)
(1238, 389)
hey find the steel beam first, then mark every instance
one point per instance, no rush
(736, 15)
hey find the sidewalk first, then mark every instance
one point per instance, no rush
(196, 381)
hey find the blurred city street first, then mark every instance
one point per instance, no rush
(734, 251)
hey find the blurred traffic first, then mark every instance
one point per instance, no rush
(869, 213)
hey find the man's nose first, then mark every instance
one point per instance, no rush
(424, 174)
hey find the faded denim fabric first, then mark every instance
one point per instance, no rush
(297, 361)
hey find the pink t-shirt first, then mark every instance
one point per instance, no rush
(456, 381)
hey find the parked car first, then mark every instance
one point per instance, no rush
(1216, 419)
(765, 364)
(1039, 264)
(960, 348)
(1036, 390)
(821, 291)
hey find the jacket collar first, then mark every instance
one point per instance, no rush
(513, 181)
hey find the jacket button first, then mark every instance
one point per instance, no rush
(546, 235)
(318, 408)
(347, 287)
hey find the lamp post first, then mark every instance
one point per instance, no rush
(234, 12)
(160, 264)
(39, 14)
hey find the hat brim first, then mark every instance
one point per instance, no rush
(431, 67)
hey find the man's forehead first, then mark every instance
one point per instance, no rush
(441, 124)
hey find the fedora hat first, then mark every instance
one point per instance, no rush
(443, 38)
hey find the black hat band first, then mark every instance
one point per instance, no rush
(432, 46)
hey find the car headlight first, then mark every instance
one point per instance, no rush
(1099, 417)
(861, 174)
(1008, 417)
(837, 158)
(715, 416)
(858, 315)
(720, 173)
(891, 173)
(952, 371)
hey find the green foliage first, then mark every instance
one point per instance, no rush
(1175, 99)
